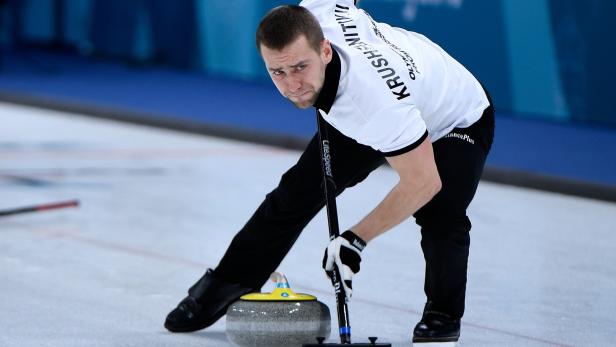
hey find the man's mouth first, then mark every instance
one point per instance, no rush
(297, 95)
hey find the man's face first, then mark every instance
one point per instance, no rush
(298, 71)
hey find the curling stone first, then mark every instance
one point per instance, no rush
(279, 318)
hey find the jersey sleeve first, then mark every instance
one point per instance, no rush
(394, 130)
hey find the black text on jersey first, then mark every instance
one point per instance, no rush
(351, 37)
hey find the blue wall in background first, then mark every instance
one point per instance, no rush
(584, 38)
(539, 58)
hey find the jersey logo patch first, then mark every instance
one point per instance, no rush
(463, 137)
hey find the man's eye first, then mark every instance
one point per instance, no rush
(278, 73)
(301, 67)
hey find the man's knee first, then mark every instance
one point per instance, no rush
(443, 223)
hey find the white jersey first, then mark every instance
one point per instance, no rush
(394, 86)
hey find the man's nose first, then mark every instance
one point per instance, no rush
(294, 84)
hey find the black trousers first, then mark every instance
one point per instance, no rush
(260, 246)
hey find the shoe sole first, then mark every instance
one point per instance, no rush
(424, 340)
(196, 327)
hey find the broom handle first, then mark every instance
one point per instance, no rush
(40, 208)
(332, 221)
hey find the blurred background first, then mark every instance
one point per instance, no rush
(192, 65)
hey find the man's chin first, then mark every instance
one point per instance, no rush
(302, 104)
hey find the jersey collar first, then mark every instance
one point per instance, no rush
(327, 96)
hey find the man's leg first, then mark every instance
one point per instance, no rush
(445, 226)
(257, 250)
(260, 246)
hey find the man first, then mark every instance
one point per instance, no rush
(387, 95)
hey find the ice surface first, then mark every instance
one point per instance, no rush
(158, 207)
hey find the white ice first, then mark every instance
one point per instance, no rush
(158, 207)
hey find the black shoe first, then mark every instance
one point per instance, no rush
(207, 301)
(436, 327)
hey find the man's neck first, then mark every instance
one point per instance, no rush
(327, 95)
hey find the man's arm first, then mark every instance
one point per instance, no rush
(419, 182)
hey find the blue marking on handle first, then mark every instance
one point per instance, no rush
(345, 330)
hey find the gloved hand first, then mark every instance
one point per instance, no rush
(345, 252)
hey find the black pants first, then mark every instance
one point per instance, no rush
(260, 246)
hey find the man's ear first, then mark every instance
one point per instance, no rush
(326, 50)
